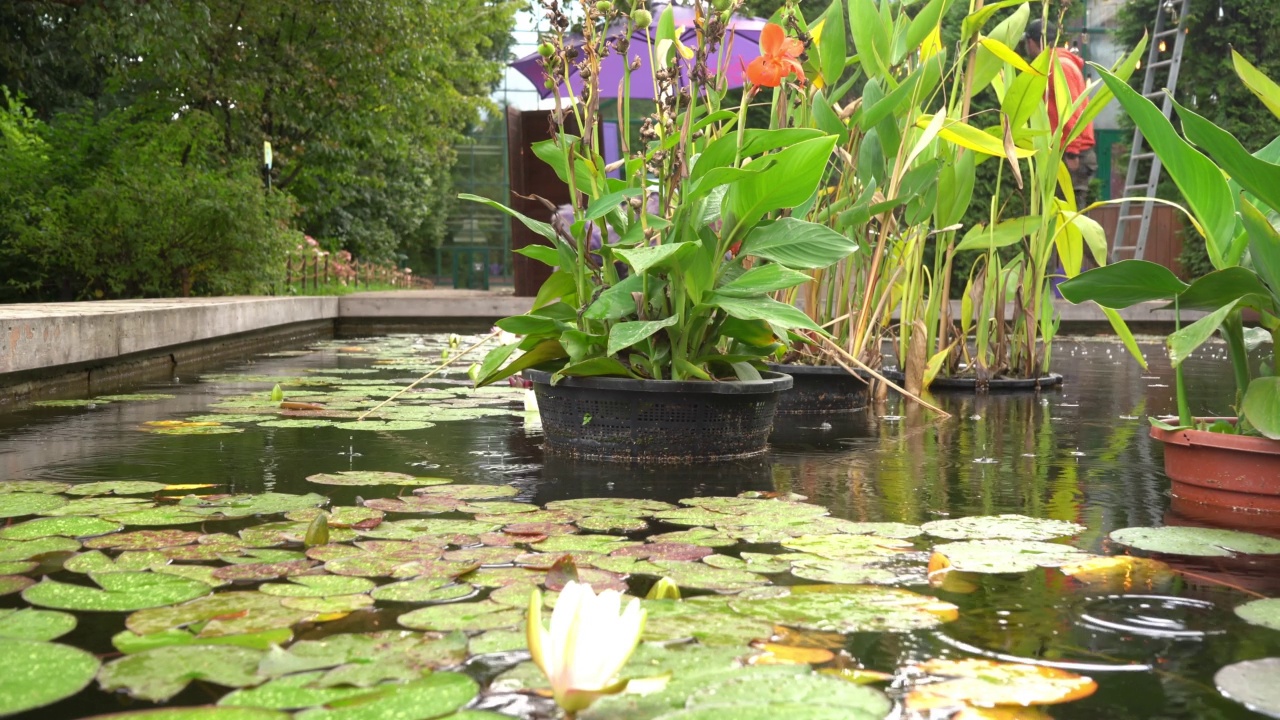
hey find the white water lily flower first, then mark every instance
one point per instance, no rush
(587, 645)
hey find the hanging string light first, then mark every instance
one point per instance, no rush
(1163, 47)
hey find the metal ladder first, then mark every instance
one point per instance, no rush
(1132, 226)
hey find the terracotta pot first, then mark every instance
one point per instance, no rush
(1226, 471)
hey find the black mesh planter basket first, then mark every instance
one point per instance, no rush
(995, 385)
(661, 421)
(822, 390)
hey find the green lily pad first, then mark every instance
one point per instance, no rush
(842, 572)
(849, 608)
(219, 615)
(414, 505)
(805, 693)
(196, 430)
(161, 673)
(485, 555)
(427, 527)
(10, 584)
(157, 516)
(713, 624)
(202, 573)
(483, 615)
(362, 478)
(18, 504)
(11, 550)
(1252, 683)
(318, 586)
(423, 590)
(710, 537)
(1261, 612)
(17, 567)
(1005, 556)
(756, 562)
(225, 418)
(133, 397)
(339, 517)
(367, 659)
(898, 531)
(279, 533)
(264, 571)
(499, 507)
(32, 624)
(129, 642)
(700, 576)
(387, 426)
(143, 540)
(244, 505)
(34, 674)
(431, 697)
(584, 543)
(117, 487)
(612, 523)
(95, 561)
(292, 692)
(97, 506)
(1205, 542)
(33, 486)
(296, 423)
(502, 577)
(468, 492)
(1012, 527)
(72, 526)
(328, 604)
(121, 592)
(203, 712)
(70, 403)
(495, 641)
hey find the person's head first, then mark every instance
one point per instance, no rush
(1039, 34)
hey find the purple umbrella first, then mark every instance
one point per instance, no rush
(741, 45)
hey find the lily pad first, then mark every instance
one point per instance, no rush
(197, 430)
(34, 674)
(899, 531)
(157, 516)
(1261, 612)
(10, 584)
(264, 571)
(756, 562)
(133, 397)
(202, 712)
(18, 504)
(328, 604)
(1011, 527)
(849, 608)
(431, 697)
(95, 561)
(291, 693)
(387, 426)
(360, 478)
(17, 567)
(59, 526)
(842, 572)
(129, 642)
(339, 517)
(318, 586)
(746, 697)
(499, 507)
(117, 487)
(710, 537)
(423, 590)
(96, 506)
(122, 591)
(483, 615)
(33, 486)
(296, 423)
(70, 403)
(713, 624)
(244, 505)
(586, 543)
(468, 492)
(1252, 683)
(164, 672)
(985, 683)
(414, 504)
(700, 576)
(11, 550)
(613, 523)
(427, 527)
(226, 613)
(367, 659)
(1002, 556)
(32, 624)
(1205, 542)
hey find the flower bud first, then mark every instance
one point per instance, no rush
(546, 50)
(604, 7)
(722, 5)
(642, 18)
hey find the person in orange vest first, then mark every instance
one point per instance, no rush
(1080, 157)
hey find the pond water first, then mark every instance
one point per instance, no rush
(1152, 637)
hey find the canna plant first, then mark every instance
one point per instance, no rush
(667, 272)
(1232, 199)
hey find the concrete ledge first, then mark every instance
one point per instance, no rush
(445, 304)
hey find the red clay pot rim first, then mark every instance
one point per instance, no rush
(1204, 438)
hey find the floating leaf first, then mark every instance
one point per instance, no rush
(899, 531)
(756, 562)
(143, 540)
(499, 507)
(697, 536)
(157, 516)
(93, 506)
(468, 492)
(1012, 527)
(33, 486)
(11, 550)
(361, 478)
(197, 430)
(330, 604)
(483, 615)
(122, 591)
(318, 586)
(612, 523)
(34, 674)
(117, 487)
(1252, 683)
(202, 712)
(431, 697)
(133, 397)
(339, 517)
(18, 504)
(849, 608)
(985, 683)
(244, 505)
(495, 641)
(264, 571)
(1258, 612)
(366, 659)
(130, 642)
(1205, 542)
(585, 543)
(32, 624)
(291, 693)
(388, 426)
(710, 623)
(414, 504)
(10, 584)
(226, 613)
(95, 561)
(733, 697)
(59, 526)
(1001, 556)
(161, 673)
(70, 403)
(423, 590)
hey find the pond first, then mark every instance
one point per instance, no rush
(171, 550)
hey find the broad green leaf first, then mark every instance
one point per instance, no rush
(434, 696)
(588, 173)
(1012, 527)
(616, 302)
(537, 226)
(797, 244)
(1204, 542)
(830, 44)
(642, 259)
(1125, 334)
(1265, 612)
(870, 37)
(1263, 87)
(974, 22)
(530, 325)
(34, 674)
(1213, 290)
(755, 141)
(625, 334)
(1123, 284)
(32, 624)
(925, 22)
(1253, 174)
(971, 138)
(1007, 54)
(160, 674)
(1009, 32)
(543, 254)
(1264, 244)
(558, 285)
(762, 279)
(606, 204)
(790, 180)
(1185, 341)
(122, 591)
(1003, 234)
(767, 309)
(1261, 405)
(545, 351)
(1200, 180)
(596, 367)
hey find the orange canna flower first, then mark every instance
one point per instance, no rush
(778, 58)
